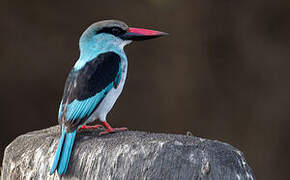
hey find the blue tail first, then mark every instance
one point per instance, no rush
(63, 152)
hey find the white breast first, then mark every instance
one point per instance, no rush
(108, 102)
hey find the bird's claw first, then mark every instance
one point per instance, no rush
(91, 127)
(112, 130)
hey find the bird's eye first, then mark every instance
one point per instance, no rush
(116, 31)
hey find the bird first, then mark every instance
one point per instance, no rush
(95, 82)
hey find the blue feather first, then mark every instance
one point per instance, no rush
(58, 152)
(66, 152)
(87, 53)
(118, 77)
(63, 152)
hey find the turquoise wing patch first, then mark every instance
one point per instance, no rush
(81, 109)
(118, 77)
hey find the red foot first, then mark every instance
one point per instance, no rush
(90, 127)
(110, 129)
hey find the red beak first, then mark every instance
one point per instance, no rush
(138, 34)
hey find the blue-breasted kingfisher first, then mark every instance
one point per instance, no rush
(95, 82)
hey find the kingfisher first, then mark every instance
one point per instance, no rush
(95, 82)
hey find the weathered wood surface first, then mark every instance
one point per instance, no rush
(125, 155)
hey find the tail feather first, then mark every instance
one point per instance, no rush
(63, 152)
(58, 152)
(66, 152)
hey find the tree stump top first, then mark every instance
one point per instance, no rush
(125, 155)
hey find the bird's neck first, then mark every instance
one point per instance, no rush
(90, 49)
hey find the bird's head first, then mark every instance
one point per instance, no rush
(114, 33)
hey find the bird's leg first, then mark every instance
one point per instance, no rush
(91, 127)
(110, 129)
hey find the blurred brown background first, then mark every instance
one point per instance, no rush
(223, 73)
